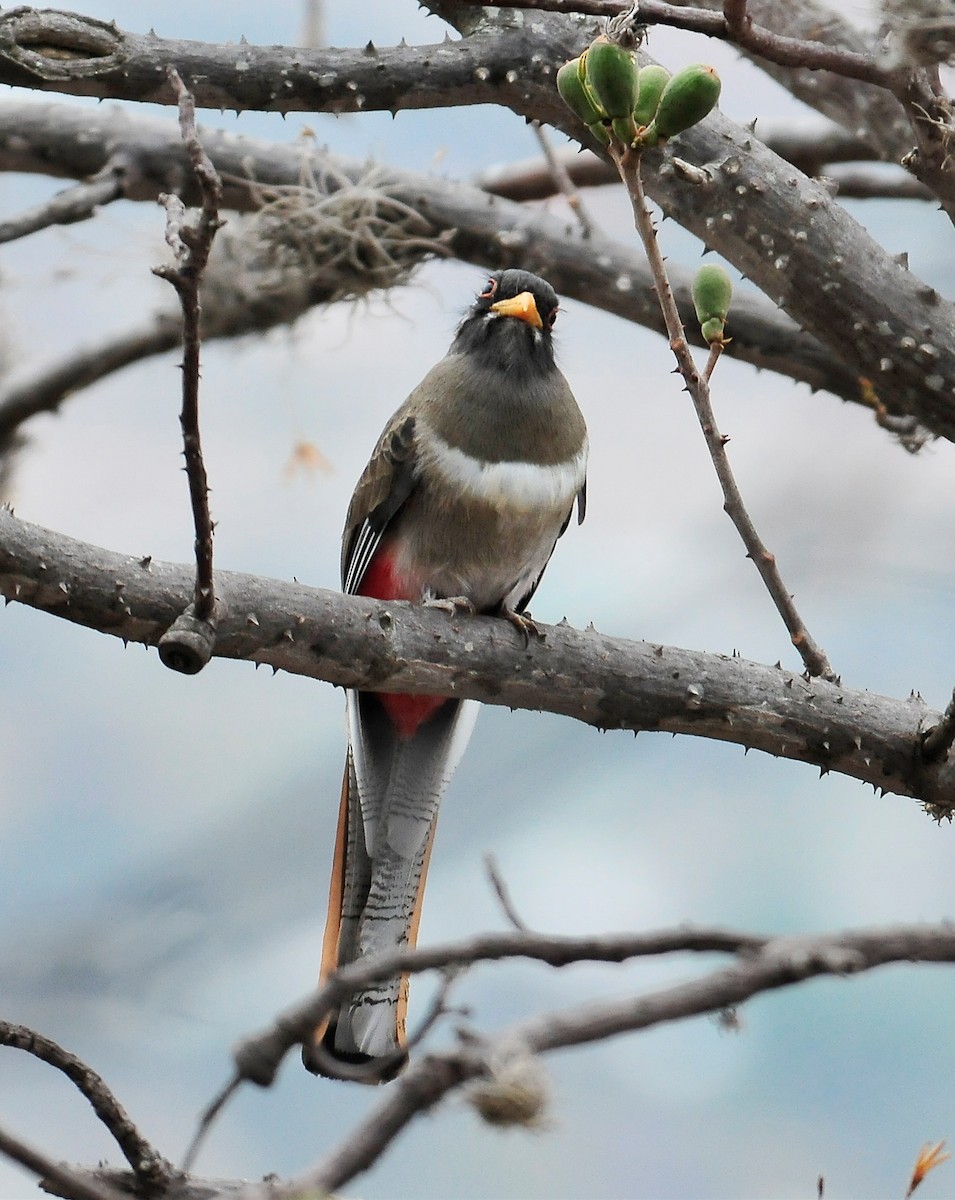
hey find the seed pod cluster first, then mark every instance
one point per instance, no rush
(640, 106)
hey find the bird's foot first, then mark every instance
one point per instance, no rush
(523, 622)
(451, 604)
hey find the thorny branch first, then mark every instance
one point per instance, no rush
(607, 274)
(813, 656)
(607, 682)
(929, 112)
(756, 39)
(187, 646)
(481, 68)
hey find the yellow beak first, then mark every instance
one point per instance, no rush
(524, 307)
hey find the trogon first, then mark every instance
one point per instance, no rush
(471, 483)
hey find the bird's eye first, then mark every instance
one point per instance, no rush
(490, 288)
(551, 317)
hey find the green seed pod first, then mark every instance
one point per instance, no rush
(575, 95)
(625, 128)
(686, 99)
(712, 293)
(612, 77)
(600, 132)
(652, 79)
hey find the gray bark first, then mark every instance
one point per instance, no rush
(606, 682)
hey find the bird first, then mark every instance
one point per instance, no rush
(470, 485)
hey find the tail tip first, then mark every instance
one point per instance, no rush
(322, 1058)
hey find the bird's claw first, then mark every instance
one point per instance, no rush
(525, 623)
(451, 604)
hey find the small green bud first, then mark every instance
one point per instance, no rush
(652, 79)
(712, 293)
(712, 330)
(686, 99)
(612, 77)
(575, 94)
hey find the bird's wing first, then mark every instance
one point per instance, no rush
(385, 485)
(581, 502)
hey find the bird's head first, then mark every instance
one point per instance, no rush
(508, 327)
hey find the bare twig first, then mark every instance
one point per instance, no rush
(188, 644)
(813, 656)
(503, 894)
(562, 180)
(716, 351)
(147, 1163)
(207, 1119)
(76, 203)
(73, 1184)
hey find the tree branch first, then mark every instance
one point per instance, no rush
(762, 964)
(76, 1185)
(819, 264)
(598, 271)
(52, 51)
(758, 40)
(815, 151)
(149, 1167)
(76, 203)
(397, 647)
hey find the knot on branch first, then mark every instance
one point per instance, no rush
(189, 642)
(55, 46)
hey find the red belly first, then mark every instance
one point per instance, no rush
(406, 713)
